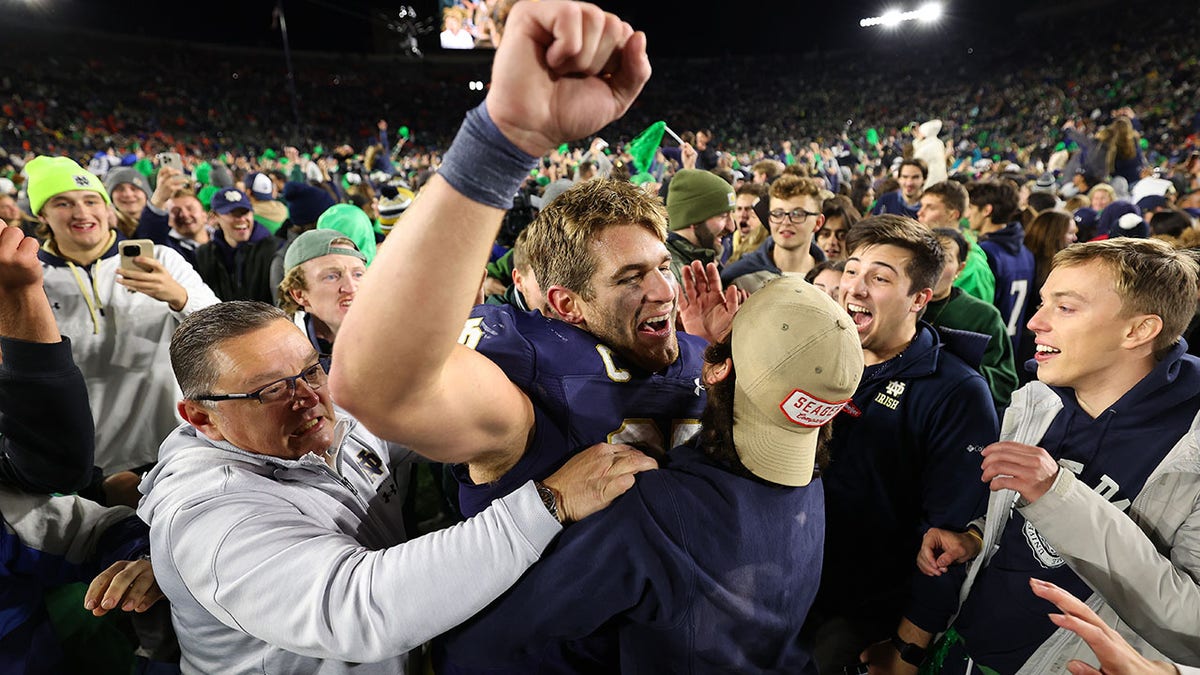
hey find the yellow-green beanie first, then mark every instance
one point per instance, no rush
(694, 196)
(49, 176)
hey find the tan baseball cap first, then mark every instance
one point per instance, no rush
(798, 361)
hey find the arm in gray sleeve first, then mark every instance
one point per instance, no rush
(261, 566)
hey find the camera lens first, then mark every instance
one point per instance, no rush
(131, 251)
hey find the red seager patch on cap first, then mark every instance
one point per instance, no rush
(807, 410)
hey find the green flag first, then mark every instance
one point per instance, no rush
(563, 149)
(404, 133)
(645, 145)
(872, 136)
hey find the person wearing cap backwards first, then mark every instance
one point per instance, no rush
(323, 271)
(236, 262)
(275, 523)
(711, 563)
(267, 210)
(905, 455)
(118, 335)
(522, 391)
(699, 208)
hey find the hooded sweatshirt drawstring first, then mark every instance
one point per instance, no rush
(91, 294)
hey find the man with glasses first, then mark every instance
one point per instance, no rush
(275, 519)
(795, 215)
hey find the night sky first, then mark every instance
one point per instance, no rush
(674, 27)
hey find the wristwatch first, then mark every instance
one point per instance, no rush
(909, 652)
(549, 499)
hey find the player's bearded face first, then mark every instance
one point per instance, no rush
(633, 307)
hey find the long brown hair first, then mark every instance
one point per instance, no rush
(1046, 235)
(1120, 141)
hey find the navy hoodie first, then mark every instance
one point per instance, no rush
(903, 459)
(893, 202)
(694, 570)
(1002, 623)
(760, 260)
(1012, 264)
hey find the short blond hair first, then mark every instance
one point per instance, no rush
(1150, 277)
(559, 243)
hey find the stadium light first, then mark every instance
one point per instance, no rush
(927, 13)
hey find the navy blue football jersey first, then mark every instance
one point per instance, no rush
(583, 393)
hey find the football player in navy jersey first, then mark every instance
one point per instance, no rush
(606, 364)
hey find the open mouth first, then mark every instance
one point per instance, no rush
(1045, 352)
(308, 427)
(658, 326)
(861, 316)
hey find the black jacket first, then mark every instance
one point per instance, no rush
(242, 273)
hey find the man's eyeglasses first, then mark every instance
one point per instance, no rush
(283, 389)
(796, 216)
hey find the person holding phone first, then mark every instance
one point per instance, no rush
(120, 320)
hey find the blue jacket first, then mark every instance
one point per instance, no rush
(694, 570)
(761, 260)
(893, 202)
(1012, 264)
(904, 458)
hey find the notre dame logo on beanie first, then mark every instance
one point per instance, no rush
(49, 176)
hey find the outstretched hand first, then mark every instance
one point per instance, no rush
(564, 71)
(1116, 656)
(704, 308)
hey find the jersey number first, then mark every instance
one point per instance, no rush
(1020, 288)
(644, 433)
(472, 333)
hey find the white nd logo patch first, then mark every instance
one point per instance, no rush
(890, 396)
(1043, 552)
